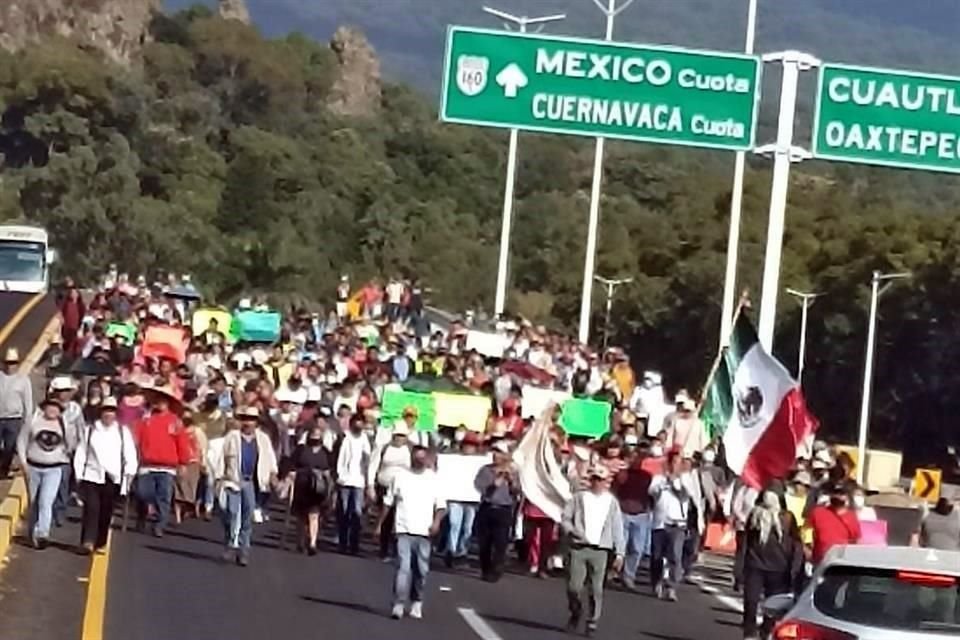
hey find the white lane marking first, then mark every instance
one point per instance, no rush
(734, 604)
(478, 624)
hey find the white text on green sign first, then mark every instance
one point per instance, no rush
(595, 88)
(890, 118)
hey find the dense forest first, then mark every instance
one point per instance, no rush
(219, 158)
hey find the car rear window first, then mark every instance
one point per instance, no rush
(889, 599)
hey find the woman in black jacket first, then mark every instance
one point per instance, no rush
(773, 562)
(312, 484)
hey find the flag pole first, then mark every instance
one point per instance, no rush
(744, 302)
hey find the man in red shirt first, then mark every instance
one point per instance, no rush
(833, 524)
(631, 485)
(163, 445)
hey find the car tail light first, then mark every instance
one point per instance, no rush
(798, 630)
(926, 579)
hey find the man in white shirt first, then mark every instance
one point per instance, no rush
(418, 503)
(593, 521)
(671, 510)
(352, 466)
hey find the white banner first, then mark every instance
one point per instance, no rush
(536, 400)
(456, 474)
(487, 344)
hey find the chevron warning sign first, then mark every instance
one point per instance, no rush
(926, 484)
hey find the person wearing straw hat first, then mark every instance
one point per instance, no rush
(249, 467)
(64, 389)
(162, 446)
(16, 405)
(44, 447)
(594, 525)
(104, 465)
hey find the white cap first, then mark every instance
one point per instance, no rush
(401, 428)
(501, 446)
(62, 383)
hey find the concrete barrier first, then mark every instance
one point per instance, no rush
(12, 509)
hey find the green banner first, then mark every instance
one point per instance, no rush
(395, 401)
(582, 417)
(596, 88)
(127, 331)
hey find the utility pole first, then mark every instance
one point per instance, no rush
(611, 287)
(806, 299)
(875, 294)
(736, 207)
(500, 300)
(611, 10)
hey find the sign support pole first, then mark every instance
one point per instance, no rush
(500, 300)
(784, 153)
(589, 264)
(736, 206)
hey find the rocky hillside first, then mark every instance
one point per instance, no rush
(117, 27)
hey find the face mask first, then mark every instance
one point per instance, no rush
(859, 501)
(656, 451)
(709, 456)
(314, 442)
(631, 440)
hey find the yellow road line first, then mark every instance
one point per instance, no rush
(93, 612)
(18, 317)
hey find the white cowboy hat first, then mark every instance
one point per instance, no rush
(12, 355)
(63, 383)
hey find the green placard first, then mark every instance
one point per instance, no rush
(889, 118)
(395, 401)
(581, 417)
(596, 88)
(123, 329)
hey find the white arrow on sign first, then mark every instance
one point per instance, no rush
(511, 78)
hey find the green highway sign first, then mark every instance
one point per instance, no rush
(595, 88)
(890, 118)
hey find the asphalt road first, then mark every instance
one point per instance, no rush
(177, 587)
(30, 326)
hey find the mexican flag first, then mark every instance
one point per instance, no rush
(758, 408)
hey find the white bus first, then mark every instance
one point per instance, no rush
(25, 259)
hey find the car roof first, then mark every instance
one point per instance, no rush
(896, 558)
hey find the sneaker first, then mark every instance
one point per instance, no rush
(87, 548)
(257, 516)
(416, 610)
(40, 544)
(672, 595)
(243, 559)
(573, 623)
(658, 590)
(157, 531)
(591, 629)
(397, 612)
(629, 585)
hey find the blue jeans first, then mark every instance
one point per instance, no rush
(238, 515)
(63, 495)
(413, 565)
(44, 484)
(206, 497)
(636, 529)
(460, 517)
(668, 549)
(156, 488)
(9, 429)
(349, 515)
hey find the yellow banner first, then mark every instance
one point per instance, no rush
(202, 317)
(455, 410)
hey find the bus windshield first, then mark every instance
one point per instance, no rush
(22, 261)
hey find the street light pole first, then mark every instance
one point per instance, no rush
(806, 299)
(611, 287)
(736, 206)
(611, 10)
(868, 367)
(500, 300)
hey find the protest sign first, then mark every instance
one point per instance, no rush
(582, 417)
(257, 326)
(491, 345)
(536, 400)
(395, 401)
(456, 474)
(454, 410)
(125, 330)
(202, 317)
(162, 341)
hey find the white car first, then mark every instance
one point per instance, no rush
(874, 593)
